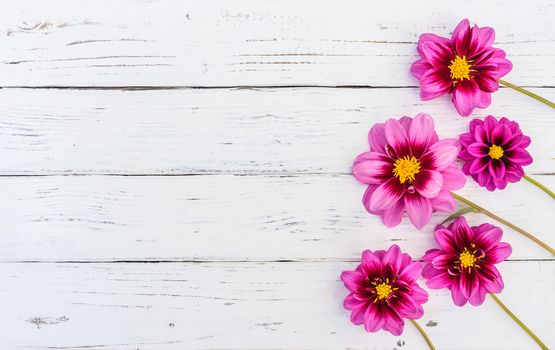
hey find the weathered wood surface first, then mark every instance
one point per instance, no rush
(228, 218)
(184, 43)
(300, 130)
(244, 305)
(101, 250)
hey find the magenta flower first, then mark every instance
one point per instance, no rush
(465, 66)
(383, 290)
(408, 167)
(465, 261)
(494, 152)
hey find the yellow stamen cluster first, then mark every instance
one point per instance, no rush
(383, 290)
(468, 259)
(406, 168)
(495, 152)
(460, 68)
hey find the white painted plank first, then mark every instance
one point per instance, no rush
(227, 217)
(314, 130)
(245, 305)
(213, 43)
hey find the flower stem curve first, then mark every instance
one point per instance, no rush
(528, 235)
(421, 330)
(542, 187)
(520, 323)
(528, 93)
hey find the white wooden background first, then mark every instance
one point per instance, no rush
(176, 174)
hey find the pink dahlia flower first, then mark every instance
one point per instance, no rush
(465, 262)
(408, 168)
(383, 290)
(465, 66)
(494, 152)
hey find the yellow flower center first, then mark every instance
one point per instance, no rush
(495, 152)
(460, 68)
(383, 290)
(406, 168)
(467, 259)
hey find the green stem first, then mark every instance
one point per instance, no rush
(545, 189)
(520, 323)
(430, 344)
(503, 221)
(528, 93)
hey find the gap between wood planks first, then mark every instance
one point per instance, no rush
(193, 261)
(216, 87)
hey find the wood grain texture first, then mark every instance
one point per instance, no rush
(184, 43)
(245, 305)
(299, 130)
(227, 217)
(176, 174)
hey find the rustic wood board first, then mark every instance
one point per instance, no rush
(176, 174)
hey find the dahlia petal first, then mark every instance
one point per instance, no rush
(501, 135)
(386, 195)
(456, 294)
(419, 67)
(487, 36)
(486, 82)
(443, 153)
(432, 37)
(504, 66)
(357, 315)
(396, 135)
(463, 234)
(422, 132)
(500, 253)
(393, 215)
(466, 139)
(490, 123)
(391, 255)
(411, 272)
(366, 199)
(406, 307)
(444, 201)
(434, 83)
(487, 237)
(477, 149)
(483, 100)
(351, 303)
(419, 294)
(501, 183)
(497, 169)
(440, 281)
(464, 96)
(436, 53)
(351, 279)
(519, 156)
(478, 165)
(467, 284)
(430, 255)
(419, 209)
(373, 321)
(478, 296)
(393, 323)
(525, 141)
(463, 26)
(495, 286)
(377, 139)
(453, 178)
(444, 261)
(428, 183)
(372, 168)
(488, 272)
(370, 263)
(480, 134)
(446, 239)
